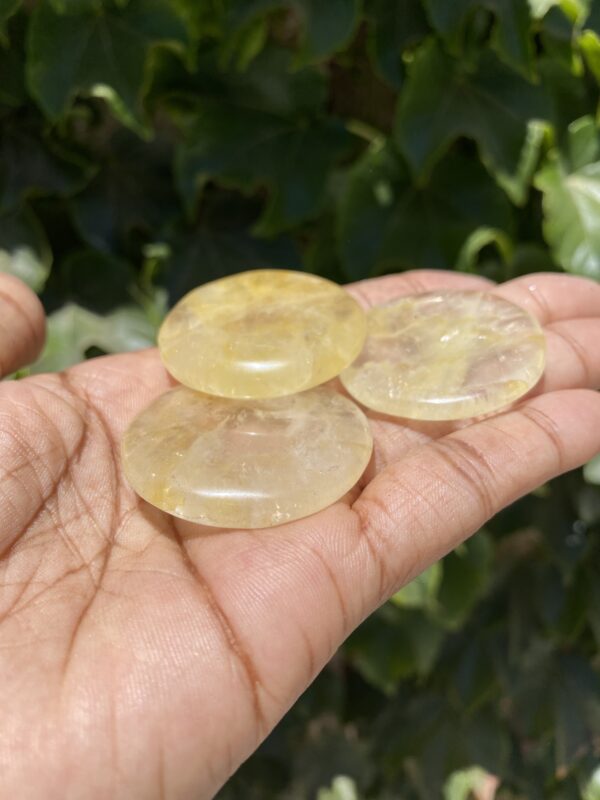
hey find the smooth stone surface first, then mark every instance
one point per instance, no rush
(265, 333)
(246, 464)
(446, 355)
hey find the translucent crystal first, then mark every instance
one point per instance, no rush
(246, 464)
(446, 355)
(266, 333)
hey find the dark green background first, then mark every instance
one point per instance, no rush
(147, 146)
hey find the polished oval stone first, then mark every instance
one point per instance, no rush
(266, 333)
(446, 355)
(246, 464)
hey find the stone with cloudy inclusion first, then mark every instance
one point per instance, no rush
(446, 355)
(246, 463)
(265, 333)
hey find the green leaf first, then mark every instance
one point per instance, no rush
(592, 789)
(24, 249)
(481, 238)
(202, 254)
(272, 84)
(31, 166)
(584, 142)
(246, 148)
(396, 26)
(96, 280)
(443, 101)
(130, 195)
(327, 26)
(469, 783)
(589, 41)
(572, 216)
(577, 710)
(386, 223)
(73, 331)
(591, 471)
(12, 70)
(99, 50)
(465, 579)
(394, 645)
(342, 788)
(422, 591)
(539, 8)
(240, 13)
(7, 9)
(511, 36)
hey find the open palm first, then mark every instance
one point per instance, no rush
(144, 657)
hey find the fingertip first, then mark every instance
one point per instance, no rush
(22, 325)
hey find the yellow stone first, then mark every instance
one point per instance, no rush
(266, 333)
(246, 463)
(446, 355)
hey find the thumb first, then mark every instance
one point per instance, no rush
(22, 325)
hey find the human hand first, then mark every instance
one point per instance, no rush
(145, 657)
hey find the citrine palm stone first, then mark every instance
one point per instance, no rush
(264, 333)
(246, 464)
(446, 355)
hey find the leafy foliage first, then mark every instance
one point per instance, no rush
(148, 146)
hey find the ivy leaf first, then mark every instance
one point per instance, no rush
(422, 591)
(273, 84)
(465, 579)
(592, 788)
(130, 194)
(583, 142)
(511, 36)
(471, 782)
(589, 41)
(394, 646)
(12, 70)
(342, 788)
(96, 280)
(572, 215)
(202, 254)
(443, 101)
(396, 26)
(98, 49)
(591, 471)
(31, 166)
(327, 26)
(468, 258)
(539, 8)
(386, 223)
(246, 148)
(24, 249)
(73, 331)
(7, 9)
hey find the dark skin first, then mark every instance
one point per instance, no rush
(144, 657)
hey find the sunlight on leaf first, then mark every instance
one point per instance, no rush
(73, 330)
(422, 591)
(591, 471)
(24, 249)
(572, 216)
(592, 790)
(342, 788)
(471, 783)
